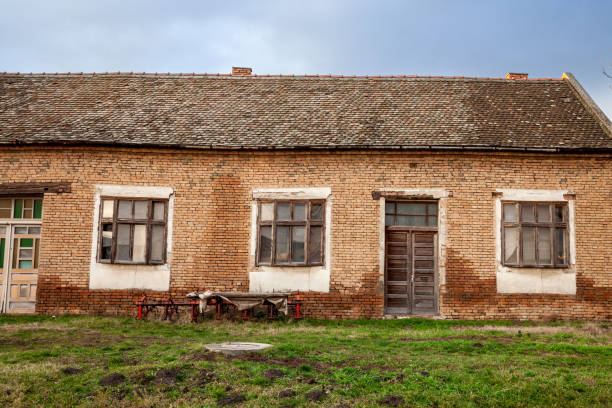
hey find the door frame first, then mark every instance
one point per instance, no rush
(411, 230)
(8, 257)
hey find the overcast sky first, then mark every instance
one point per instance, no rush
(471, 38)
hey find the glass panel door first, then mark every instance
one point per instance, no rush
(23, 270)
(3, 261)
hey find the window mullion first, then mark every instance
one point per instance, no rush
(273, 234)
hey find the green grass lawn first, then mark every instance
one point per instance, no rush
(94, 361)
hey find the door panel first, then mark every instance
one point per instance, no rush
(22, 274)
(3, 260)
(410, 265)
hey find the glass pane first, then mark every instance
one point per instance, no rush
(38, 209)
(34, 230)
(140, 210)
(125, 209)
(411, 208)
(432, 209)
(543, 213)
(560, 255)
(544, 249)
(282, 244)
(314, 247)
(25, 264)
(299, 211)
(159, 210)
(297, 244)
(265, 244)
(283, 211)
(25, 253)
(27, 213)
(36, 251)
(527, 212)
(390, 207)
(5, 203)
(267, 212)
(2, 247)
(157, 243)
(21, 230)
(2, 229)
(29, 203)
(123, 242)
(26, 242)
(108, 208)
(528, 244)
(411, 220)
(432, 221)
(107, 241)
(389, 220)
(316, 212)
(510, 214)
(140, 243)
(559, 213)
(18, 209)
(23, 290)
(5, 213)
(511, 245)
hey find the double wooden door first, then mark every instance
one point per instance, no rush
(410, 272)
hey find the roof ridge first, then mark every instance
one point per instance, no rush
(308, 76)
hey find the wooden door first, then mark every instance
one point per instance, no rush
(410, 265)
(3, 262)
(23, 271)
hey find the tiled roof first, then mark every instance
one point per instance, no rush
(275, 112)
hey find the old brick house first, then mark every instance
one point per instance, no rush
(459, 197)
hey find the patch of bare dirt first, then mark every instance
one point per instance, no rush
(272, 374)
(72, 370)
(231, 399)
(392, 401)
(287, 394)
(316, 395)
(203, 355)
(204, 377)
(167, 376)
(112, 380)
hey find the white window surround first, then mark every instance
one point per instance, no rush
(535, 280)
(434, 193)
(266, 278)
(117, 276)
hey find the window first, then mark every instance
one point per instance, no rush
(25, 208)
(412, 214)
(535, 234)
(291, 232)
(132, 231)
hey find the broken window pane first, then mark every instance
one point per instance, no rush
(108, 208)
(299, 212)
(159, 211)
(510, 214)
(543, 213)
(267, 211)
(283, 211)
(125, 209)
(141, 210)
(559, 213)
(282, 244)
(316, 212)
(528, 243)
(265, 244)
(527, 212)
(107, 241)
(123, 242)
(38, 209)
(314, 246)
(544, 247)
(411, 208)
(157, 243)
(297, 244)
(511, 245)
(560, 256)
(140, 243)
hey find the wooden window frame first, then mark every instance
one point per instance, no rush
(552, 225)
(23, 198)
(149, 222)
(427, 215)
(307, 224)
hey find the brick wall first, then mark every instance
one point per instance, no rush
(212, 222)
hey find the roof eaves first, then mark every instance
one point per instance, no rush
(589, 103)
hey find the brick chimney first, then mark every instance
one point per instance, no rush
(516, 75)
(241, 71)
